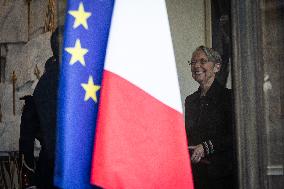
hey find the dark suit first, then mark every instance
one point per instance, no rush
(39, 121)
(45, 99)
(208, 121)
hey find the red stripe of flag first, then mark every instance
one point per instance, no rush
(140, 142)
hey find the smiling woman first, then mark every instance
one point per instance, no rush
(205, 63)
(208, 119)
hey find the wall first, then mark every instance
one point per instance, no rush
(273, 55)
(188, 29)
(24, 48)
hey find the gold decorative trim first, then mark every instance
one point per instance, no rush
(50, 17)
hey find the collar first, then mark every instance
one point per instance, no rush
(51, 65)
(214, 91)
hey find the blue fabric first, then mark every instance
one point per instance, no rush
(77, 116)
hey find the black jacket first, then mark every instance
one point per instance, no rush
(45, 99)
(39, 121)
(208, 121)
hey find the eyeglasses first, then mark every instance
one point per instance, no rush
(202, 62)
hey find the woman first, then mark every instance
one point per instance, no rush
(208, 119)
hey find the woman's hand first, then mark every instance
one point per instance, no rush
(198, 153)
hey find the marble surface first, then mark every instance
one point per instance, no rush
(23, 59)
(14, 26)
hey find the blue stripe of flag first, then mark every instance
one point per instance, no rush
(76, 117)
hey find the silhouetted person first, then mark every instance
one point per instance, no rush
(39, 118)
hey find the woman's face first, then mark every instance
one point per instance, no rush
(203, 71)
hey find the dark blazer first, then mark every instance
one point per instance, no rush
(39, 121)
(208, 121)
(45, 99)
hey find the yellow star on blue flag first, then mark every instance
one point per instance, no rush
(77, 53)
(91, 89)
(80, 16)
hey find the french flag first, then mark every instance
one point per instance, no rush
(140, 137)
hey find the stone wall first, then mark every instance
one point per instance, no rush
(24, 48)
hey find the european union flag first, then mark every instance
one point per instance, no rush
(86, 33)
